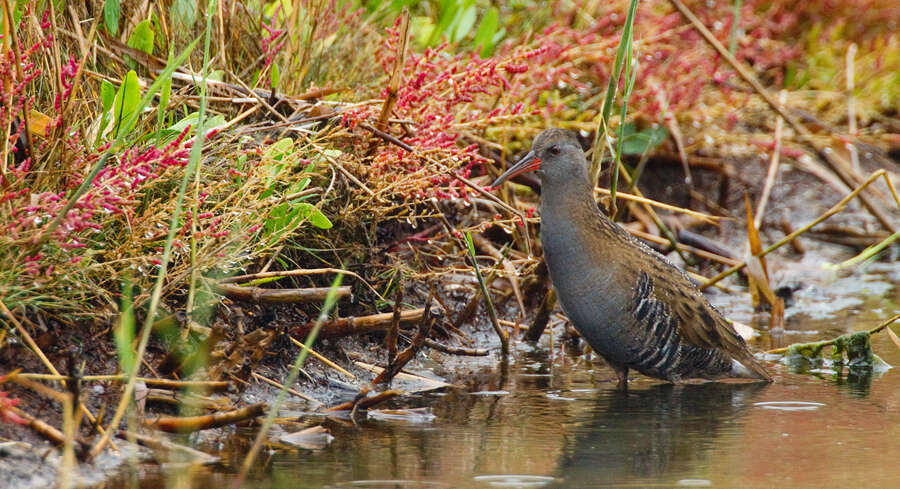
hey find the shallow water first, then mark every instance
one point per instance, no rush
(557, 421)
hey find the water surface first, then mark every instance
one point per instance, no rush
(554, 420)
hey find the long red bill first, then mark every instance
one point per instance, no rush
(529, 162)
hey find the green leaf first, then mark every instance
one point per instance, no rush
(183, 14)
(465, 22)
(422, 29)
(142, 37)
(193, 119)
(124, 333)
(107, 97)
(217, 75)
(445, 20)
(107, 94)
(165, 90)
(643, 141)
(112, 11)
(486, 32)
(315, 216)
(127, 98)
(278, 219)
(280, 148)
(274, 76)
(298, 186)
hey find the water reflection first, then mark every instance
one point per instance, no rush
(643, 434)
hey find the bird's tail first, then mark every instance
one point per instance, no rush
(750, 368)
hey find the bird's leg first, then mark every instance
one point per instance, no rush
(622, 375)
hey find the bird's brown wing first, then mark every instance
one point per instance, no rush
(703, 325)
(699, 323)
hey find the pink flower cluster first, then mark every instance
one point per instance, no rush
(7, 414)
(274, 39)
(444, 95)
(114, 190)
(18, 98)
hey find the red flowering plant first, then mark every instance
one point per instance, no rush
(449, 103)
(117, 224)
(446, 101)
(7, 414)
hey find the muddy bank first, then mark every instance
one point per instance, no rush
(252, 347)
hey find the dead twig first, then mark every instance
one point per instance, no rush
(323, 359)
(189, 424)
(512, 275)
(492, 313)
(46, 430)
(366, 402)
(214, 385)
(168, 446)
(359, 325)
(643, 200)
(773, 167)
(456, 350)
(542, 317)
(428, 319)
(708, 255)
(278, 385)
(277, 296)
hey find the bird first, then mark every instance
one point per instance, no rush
(634, 308)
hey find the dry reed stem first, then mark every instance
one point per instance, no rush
(835, 162)
(42, 428)
(708, 255)
(164, 445)
(773, 166)
(456, 350)
(323, 359)
(278, 385)
(359, 325)
(830, 212)
(215, 385)
(662, 205)
(511, 273)
(249, 278)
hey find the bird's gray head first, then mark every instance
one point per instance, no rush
(556, 156)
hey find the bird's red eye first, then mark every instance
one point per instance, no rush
(554, 150)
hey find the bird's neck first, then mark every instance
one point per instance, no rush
(573, 229)
(571, 200)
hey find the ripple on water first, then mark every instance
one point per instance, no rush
(557, 397)
(514, 481)
(388, 484)
(695, 483)
(789, 405)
